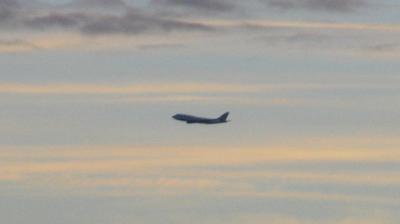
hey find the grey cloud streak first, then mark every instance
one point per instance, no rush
(103, 17)
(56, 20)
(299, 39)
(207, 5)
(98, 3)
(322, 5)
(149, 47)
(99, 20)
(384, 47)
(8, 9)
(135, 23)
(17, 45)
(124, 20)
(16, 42)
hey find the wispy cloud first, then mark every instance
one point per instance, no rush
(384, 47)
(267, 24)
(160, 46)
(90, 4)
(296, 95)
(259, 218)
(298, 38)
(16, 45)
(8, 9)
(137, 157)
(136, 23)
(124, 21)
(145, 88)
(125, 170)
(98, 24)
(325, 5)
(199, 93)
(128, 89)
(55, 20)
(202, 99)
(207, 5)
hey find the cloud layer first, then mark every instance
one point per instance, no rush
(116, 17)
(123, 20)
(206, 5)
(8, 9)
(86, 170)
(325, 5)
(91, 20)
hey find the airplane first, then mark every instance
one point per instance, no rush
(201, 120)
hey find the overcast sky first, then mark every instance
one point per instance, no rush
(88, 88)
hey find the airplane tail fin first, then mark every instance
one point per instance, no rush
(224, 117)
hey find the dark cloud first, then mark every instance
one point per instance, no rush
(56, 20)
(110, 19)
(106, 4)
(8, 9)
(136, 23)
(97, 21)
(207, 5)
(129, 23)
(126, 20)
(325, 5)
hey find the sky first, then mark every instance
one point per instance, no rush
(88, 88)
